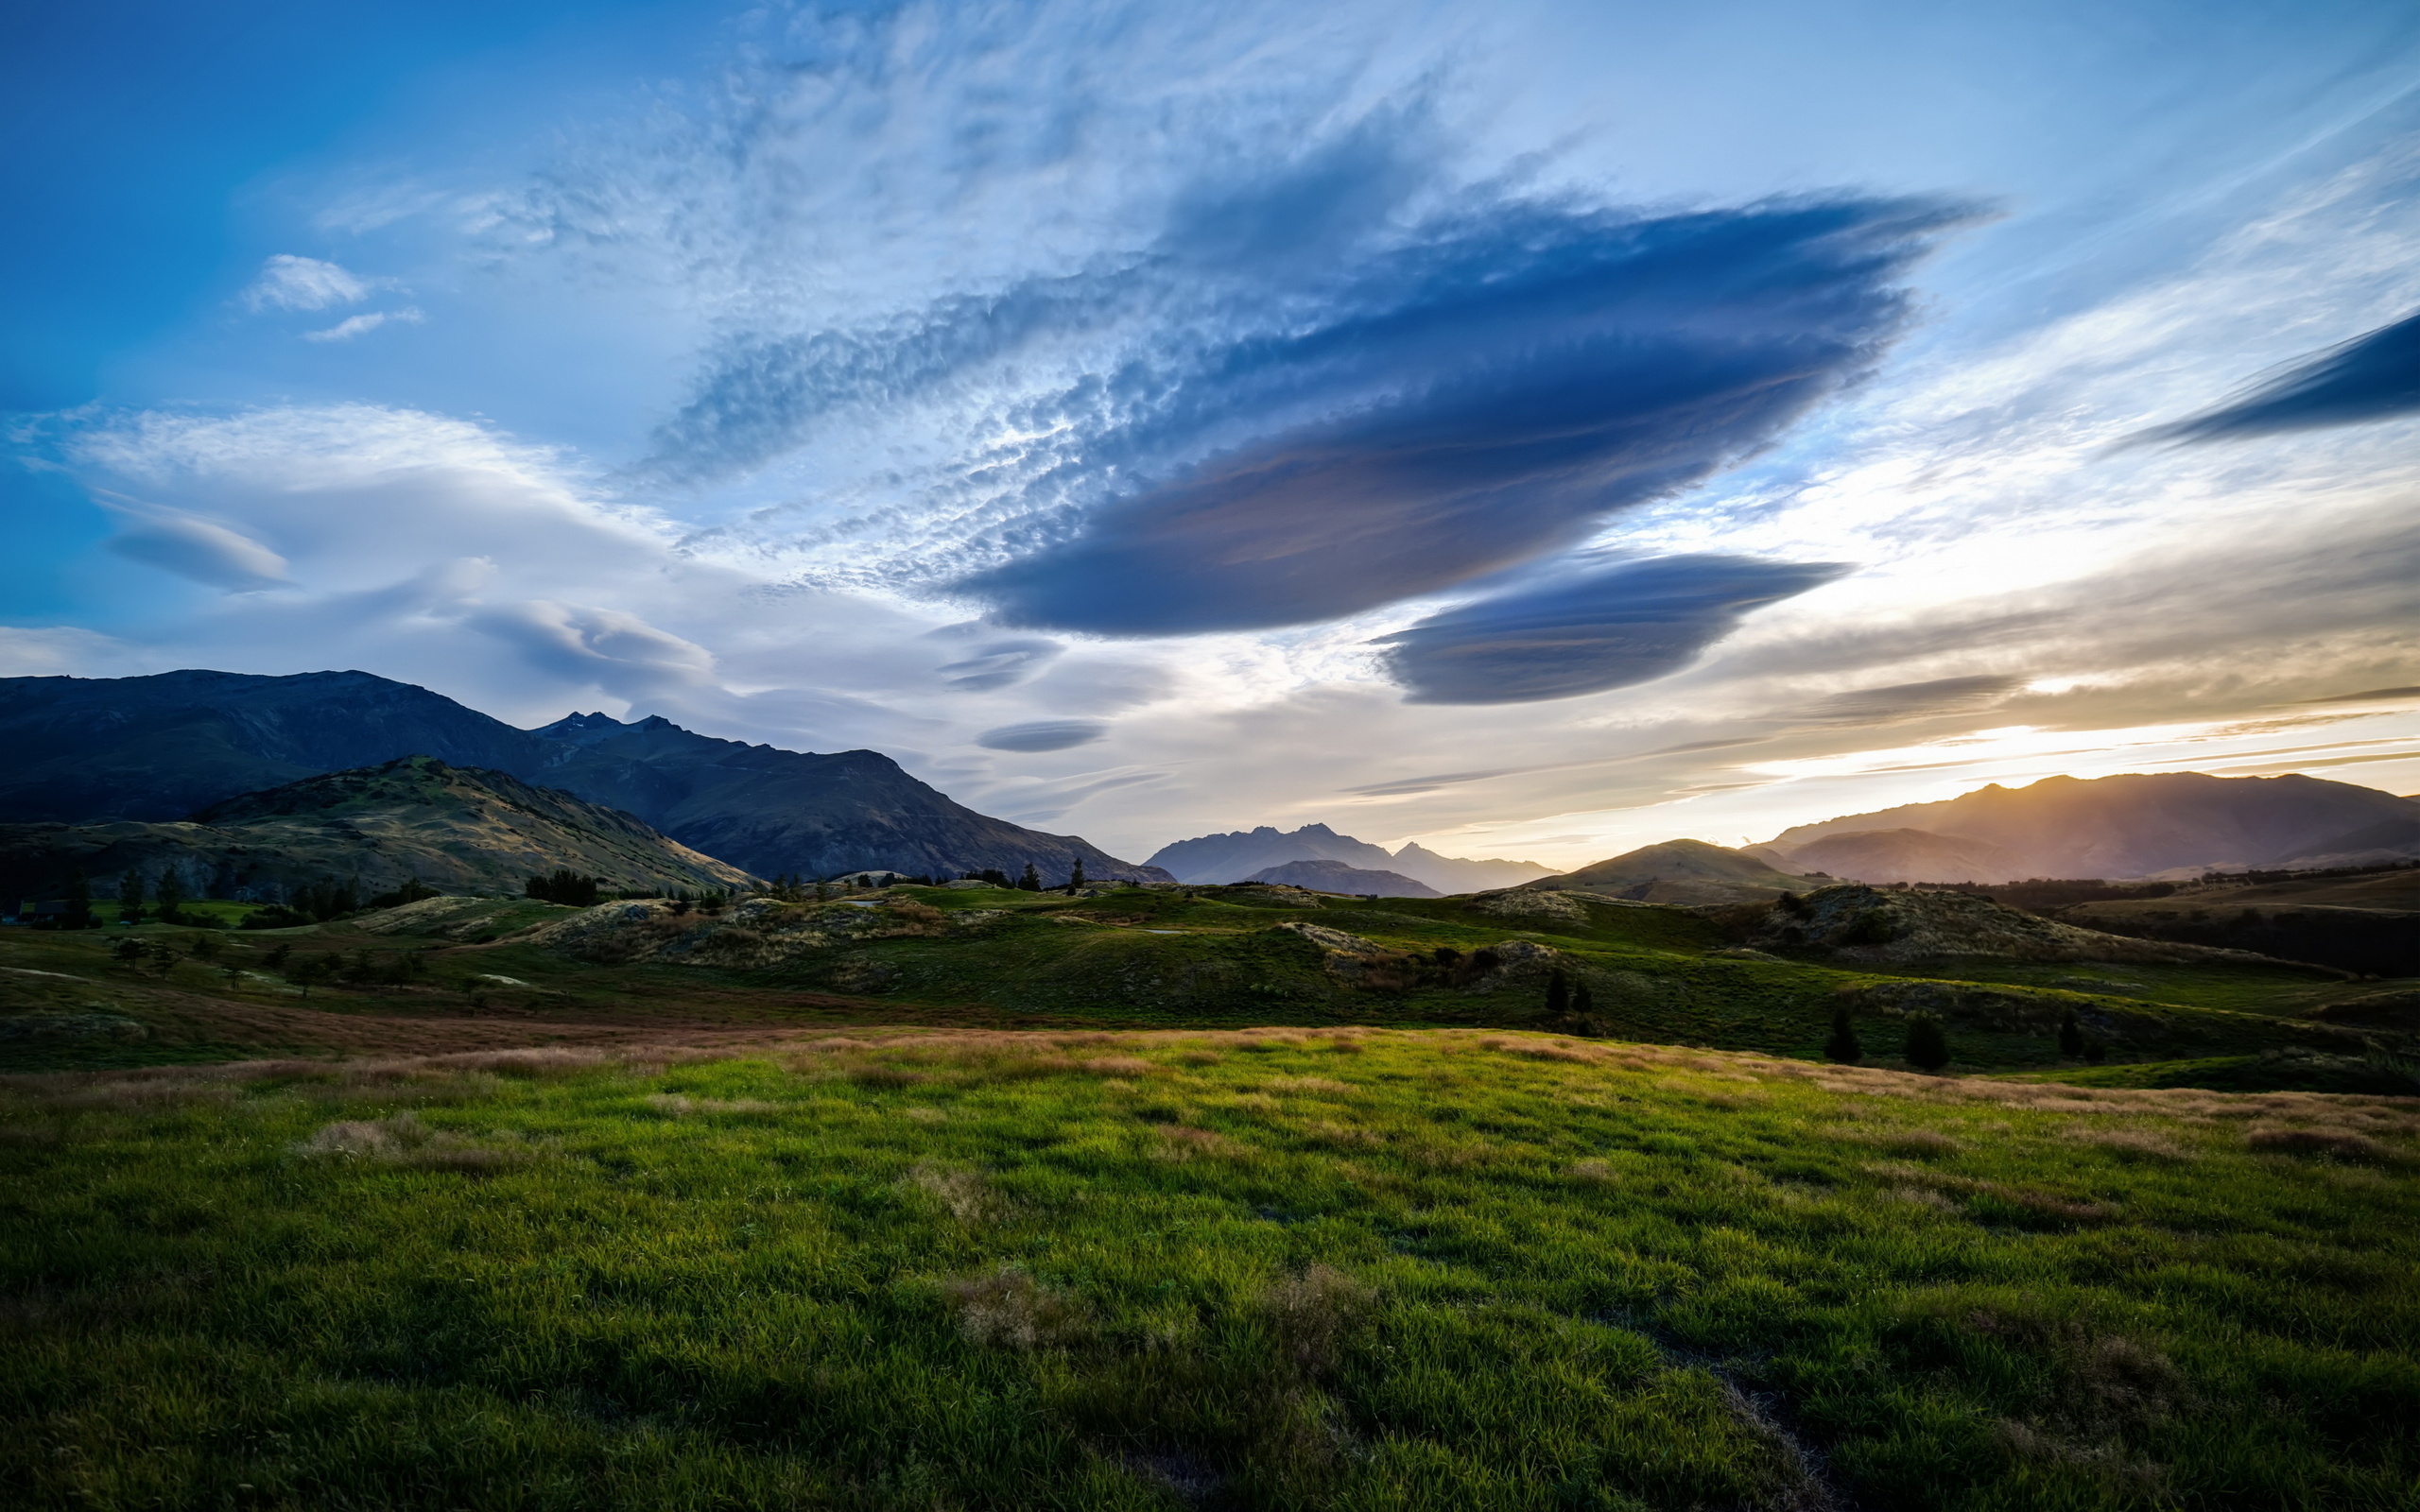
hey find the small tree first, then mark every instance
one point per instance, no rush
(1031, 881)
(2070, 1036)
(1583, 1002)
(1843, 1047)
(1558, 996)
(2095, 1051)
(1928, 1043)
(79, 901)
(171, 893)
(1076, 878)
(130, 897)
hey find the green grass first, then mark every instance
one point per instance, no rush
(1144, 959)
(1349, 1269)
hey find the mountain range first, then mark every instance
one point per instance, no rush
(1240, 854)
(417, 819)
(2131, 825)
(77, 751)
(1335, 876)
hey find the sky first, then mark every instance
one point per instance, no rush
(1536, 429)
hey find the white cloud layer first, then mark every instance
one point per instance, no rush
(288, 282)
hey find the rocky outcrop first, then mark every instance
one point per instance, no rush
(1853, 922)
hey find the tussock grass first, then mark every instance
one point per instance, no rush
(984, 1268)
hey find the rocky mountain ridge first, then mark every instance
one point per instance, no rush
(150, 750)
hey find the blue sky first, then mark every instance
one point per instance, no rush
(1529, 429)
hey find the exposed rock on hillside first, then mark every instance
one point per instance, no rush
(757, 932)
(1520, 903)
(2010, 1011)
(1853, 922)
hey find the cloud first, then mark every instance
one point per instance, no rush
(1043, 734)
(290, 282)
(356, 325)
(2370, 378)
(1628, 624)
(999, 664)
(1912, 701)
(195, 548)
(1486, 393)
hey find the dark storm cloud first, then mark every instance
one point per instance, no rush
(2369, 378)
(1631, 623)
(1474, 402)
(1910, 700)
(1041, 734)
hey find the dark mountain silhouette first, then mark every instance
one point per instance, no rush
(1903, 855)
(455, 828)
(1234, 856)
(2136, 825)
(1335, 876)
(1453, 874)
(77, 751)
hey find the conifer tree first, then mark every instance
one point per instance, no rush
(1583, 1002)
(130, 897)
(2070, 1036)
(1031, 881)
(1076, 878)
(79, 901)
(1843, 1047)
(1558, 996)
(1928, 1046)
(171, 893)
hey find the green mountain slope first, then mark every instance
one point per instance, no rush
(455, 828)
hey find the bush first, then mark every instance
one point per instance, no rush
(1927, 1042)
(1843, 1047)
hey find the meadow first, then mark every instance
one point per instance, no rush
(1285, 1268)
(958, 1199)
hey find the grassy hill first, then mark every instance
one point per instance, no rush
(1138, 958)
(415, 818)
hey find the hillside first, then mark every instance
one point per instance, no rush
(414, 819)
(1335, 876)
(1677, 871)
(2131, 826)
(80, 751)
(1904, 855)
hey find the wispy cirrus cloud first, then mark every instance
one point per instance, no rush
(287, 282)
(346, 330)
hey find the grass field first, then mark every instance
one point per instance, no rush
(1361, 1269)
(969, 1198)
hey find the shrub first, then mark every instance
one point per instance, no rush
(1928, 1047)
(1843, 1048)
